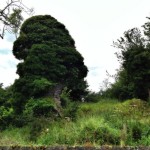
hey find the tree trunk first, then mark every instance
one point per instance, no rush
(57, 92)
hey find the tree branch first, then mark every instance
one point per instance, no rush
(8, 11)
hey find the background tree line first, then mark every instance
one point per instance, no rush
(133, 78)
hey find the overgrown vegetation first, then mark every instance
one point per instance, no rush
(50, 62)
(50, 105)
(133, 78)
(107, 122)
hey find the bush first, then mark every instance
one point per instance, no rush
(6, 116)
(145, 141)
(65, 97)
(41, 87)
(135, 131)
(99, 132)
(69, 107)
(40, 107)
(93, 97)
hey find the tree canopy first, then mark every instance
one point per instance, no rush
(48, 59)
(134, 76)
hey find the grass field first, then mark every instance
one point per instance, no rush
(107, 122)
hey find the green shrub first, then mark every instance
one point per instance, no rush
(6, 116)
(93, 97)
(96, 130)
(135, 131)
(65, 97)
(40, 107)
(71, 110)
(69, 107)
(40, 87)
(145, 141)
(101, 135)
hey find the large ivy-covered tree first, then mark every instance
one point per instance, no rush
(49, 61)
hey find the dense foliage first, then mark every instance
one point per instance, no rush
(49, 59)
(135, 57)
(133, 78)
(107, 122)
(44, 100)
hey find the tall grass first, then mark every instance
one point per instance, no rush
(107, 122)
(15, 136)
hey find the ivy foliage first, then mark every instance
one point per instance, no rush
(48, 58)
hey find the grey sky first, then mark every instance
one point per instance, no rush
(93, 24)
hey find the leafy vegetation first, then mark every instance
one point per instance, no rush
(43, 106)
(133, 78)
(135, 60)
(107, 122)
(50, 62)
